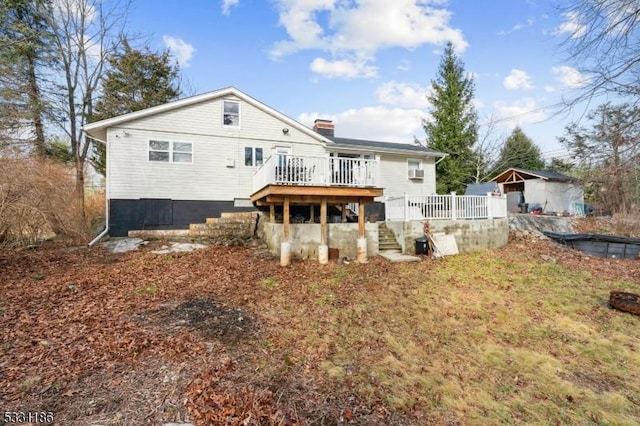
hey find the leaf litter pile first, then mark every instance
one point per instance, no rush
(227, 336)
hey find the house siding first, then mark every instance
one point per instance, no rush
(395, 180)
(132, 176)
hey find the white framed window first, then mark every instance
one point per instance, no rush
(414, 169)
(170, 152)
(231, 114)
(253, 156)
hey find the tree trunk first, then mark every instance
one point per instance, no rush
(35, 107)
(79, 165)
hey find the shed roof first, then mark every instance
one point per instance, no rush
(514, 174)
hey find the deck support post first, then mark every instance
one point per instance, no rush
(312, 212)
(272, 213)
(285, 245)
(361, 248)
(344, 213)
(323, 249)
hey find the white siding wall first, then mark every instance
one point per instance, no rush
(132, 176)
(394, 176)
(553, 196)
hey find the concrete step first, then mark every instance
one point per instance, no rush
(387, 239)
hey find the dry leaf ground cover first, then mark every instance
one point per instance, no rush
(226, 336)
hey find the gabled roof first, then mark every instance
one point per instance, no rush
(98, 129)
(404, 148)
(515, 175)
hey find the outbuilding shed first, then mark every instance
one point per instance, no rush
(530, 189)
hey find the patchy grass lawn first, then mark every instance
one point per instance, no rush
(517, 335)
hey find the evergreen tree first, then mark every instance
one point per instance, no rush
(24, 49)
(452, 127)
(520, 152)
(559, 165)
(137, 79)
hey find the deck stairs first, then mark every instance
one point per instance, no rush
(387, 239)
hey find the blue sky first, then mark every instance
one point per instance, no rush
(368, 64)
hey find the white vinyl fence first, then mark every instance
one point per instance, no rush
(420, 207)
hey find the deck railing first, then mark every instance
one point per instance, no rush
(315, 170)
(410, 207)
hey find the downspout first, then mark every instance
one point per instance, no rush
(106, 207)
(442, 158)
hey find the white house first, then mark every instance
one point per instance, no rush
(181, 162)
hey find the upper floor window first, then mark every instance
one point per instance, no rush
(414, 164)
(170, 152)
(231, 114)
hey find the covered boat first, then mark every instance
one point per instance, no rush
(607, 246)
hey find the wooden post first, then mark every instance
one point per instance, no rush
(272, 213)
(344, 213)
(323, 221)
(312, 212)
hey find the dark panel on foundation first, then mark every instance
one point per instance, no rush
(128, 215)
(374, 211)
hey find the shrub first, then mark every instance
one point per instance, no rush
(37, 201)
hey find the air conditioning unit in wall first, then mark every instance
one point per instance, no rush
(416, 174)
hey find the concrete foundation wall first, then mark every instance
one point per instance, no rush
(305, 239)
(470, 235)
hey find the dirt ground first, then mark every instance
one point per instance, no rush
(141, 338)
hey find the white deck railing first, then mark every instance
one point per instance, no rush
(310, 170)
(410, 207)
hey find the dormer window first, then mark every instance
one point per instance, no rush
(231, 114)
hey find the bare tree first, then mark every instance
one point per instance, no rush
(84, 35)
(486, 151)
(602, 44)
(609, 153)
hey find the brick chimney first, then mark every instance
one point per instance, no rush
(324, 127)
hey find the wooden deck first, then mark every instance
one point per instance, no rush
(310, 195)
(313, 195)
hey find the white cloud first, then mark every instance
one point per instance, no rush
(522, 26)
(360, 28)
(404, 95)
(549, 88)
(180, 49)
(572, 25)
(404, 66)
(76, 10)
(518, 27)
(569, 77)
(374, 123)
(518, 80)
(227, 5)
(343, 68)
(519, 112)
